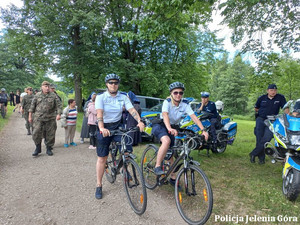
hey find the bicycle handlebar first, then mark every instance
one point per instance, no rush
(121, 131)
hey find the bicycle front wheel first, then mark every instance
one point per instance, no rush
(148, 162)
(134, 186)
(195, 201)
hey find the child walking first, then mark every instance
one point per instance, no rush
(70, 113)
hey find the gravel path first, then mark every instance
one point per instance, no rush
(60, 189)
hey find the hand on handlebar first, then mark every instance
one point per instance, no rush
(105, 132)
(141, 125)
(173, 132)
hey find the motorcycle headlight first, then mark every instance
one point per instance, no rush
(147, 122)
(295, 140)
(281, 137)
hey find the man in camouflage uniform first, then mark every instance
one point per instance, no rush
(46, 108)
(26, 103)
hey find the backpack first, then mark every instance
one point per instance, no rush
(3, 98)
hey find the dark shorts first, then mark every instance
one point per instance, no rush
(160, 130)
(104, 142)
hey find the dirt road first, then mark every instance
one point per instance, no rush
(60, 189)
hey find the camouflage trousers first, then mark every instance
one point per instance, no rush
(44, 129)
(27, 124)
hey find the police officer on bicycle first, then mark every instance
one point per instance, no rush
(174, 107)
(109, 106)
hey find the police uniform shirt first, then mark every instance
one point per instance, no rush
(112, 106)
(176, 112)
(211, 108)
(267, 106)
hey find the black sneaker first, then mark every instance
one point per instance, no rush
(173, 182)
(252, 158)
(158, 171)
(98, 193)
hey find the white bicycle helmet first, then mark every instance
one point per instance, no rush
(112, 76)
(176, 85)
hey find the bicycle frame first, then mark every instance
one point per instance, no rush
(187, 160)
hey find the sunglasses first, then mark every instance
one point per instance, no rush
(112, 82)
(178, 92)
(29, 89)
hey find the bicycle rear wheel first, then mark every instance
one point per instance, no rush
(195, 201)
(134, 185)
(148, 164)
(3, 111)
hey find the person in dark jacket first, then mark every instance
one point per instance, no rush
(266, 105)
(131, 122)
(12, 98)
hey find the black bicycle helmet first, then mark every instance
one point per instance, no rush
(176, 85)
(112, 76)
(297, 106)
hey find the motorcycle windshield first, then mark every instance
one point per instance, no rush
(294, 123)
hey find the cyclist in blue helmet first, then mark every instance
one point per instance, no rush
(174, 107)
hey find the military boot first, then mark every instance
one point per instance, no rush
(38, 149)
(49, 151)
(28, 131)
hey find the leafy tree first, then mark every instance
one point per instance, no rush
(251, 18)
(287, 74)
(234, 88)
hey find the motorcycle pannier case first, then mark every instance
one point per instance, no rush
(231, 129)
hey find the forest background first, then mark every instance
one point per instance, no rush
(151, 44)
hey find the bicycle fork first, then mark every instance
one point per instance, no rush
(186, 183)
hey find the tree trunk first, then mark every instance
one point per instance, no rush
(78, 91)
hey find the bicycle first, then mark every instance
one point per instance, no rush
(3, 111)
(195, 200)
(133, 180)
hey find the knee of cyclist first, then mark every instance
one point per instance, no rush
(165, 140)
(102, 160)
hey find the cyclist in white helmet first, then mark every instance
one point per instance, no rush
(174, 107)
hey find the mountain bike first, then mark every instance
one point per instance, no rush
(132, 176)
(193, 192)
(3, 112)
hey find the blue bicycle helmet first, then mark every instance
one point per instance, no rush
(112, 76)
(176, 85)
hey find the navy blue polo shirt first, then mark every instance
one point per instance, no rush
(267, 106)
(211, 108)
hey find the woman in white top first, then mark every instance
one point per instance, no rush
(174, 107)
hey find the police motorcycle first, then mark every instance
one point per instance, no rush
(225, 129)
(286, 148)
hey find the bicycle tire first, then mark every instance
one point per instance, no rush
(191, 205)
(134, 186)
(3, 111)
(148, 162)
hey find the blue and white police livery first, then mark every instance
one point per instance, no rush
(112, 106)
(176, 112)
